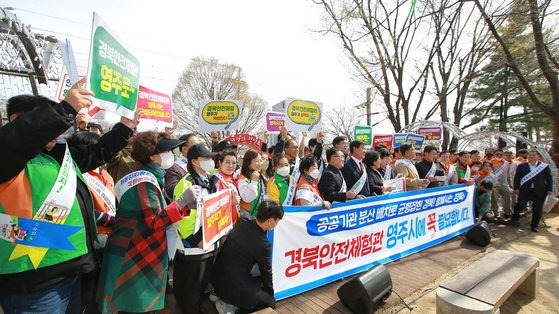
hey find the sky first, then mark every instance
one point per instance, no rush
(272, 41)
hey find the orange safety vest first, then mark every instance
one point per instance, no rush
(314, 188)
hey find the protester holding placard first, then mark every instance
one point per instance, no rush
(406, 169)
(307, 193)
(193, 265)
(332, 185)
(178, 170)
(247, 245)
(532, 182)
(224, 179)
(41, 184)
(372, 162)
(134, 272)
(354, 171)
(278, 184)
(251, 183)
(463, 170)
(428, 168)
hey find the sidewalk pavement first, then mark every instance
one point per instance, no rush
(543, 245)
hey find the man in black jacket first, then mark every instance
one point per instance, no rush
(246, 246)
(35, 123)
(532, 182)
(332, 185)
(354, 169)
(429, 168)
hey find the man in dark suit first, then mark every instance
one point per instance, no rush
(426, 164)
(354, 168)
(332, 180)
(532, 182)
(246, 246)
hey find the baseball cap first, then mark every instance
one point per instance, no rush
(166, 144)
(223, 145)
(199, 150)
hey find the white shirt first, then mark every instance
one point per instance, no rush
(532, 167)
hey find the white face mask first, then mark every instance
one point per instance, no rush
(283, 171)
(314, 174)
(207, 165)
(498, 158)
(167, 160)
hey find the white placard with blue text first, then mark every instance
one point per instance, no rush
(313, 247)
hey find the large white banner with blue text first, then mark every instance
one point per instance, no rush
(313, 246)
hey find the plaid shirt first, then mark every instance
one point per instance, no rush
(135, 260)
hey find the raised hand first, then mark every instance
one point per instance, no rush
(131, 123)
(79, 97)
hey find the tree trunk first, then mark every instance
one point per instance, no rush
(555, 144)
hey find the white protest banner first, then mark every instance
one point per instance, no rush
(313, 247)
(219, 115)
(69, 60)
(303, 115)
(398, 184)
(64, 85)
(113, 72)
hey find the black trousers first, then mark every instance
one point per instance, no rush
(190, 281)
(537, 206)
(265, 300)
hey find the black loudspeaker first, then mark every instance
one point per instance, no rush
(479, 234)
(362, 292)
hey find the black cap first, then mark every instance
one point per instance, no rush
(166, 144)
(223, 145)
(199, 150)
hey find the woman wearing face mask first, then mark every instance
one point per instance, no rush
(193, 265)
(278, 184)
(307, 188)
(223, 178)
(134, 272)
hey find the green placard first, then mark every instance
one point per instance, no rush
(113, 72)
(363, 133)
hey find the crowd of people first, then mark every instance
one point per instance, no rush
(125, 190)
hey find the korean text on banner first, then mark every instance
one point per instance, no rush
(113, 72)
(385, 140)
(399, 139)
(274, 121)
(303, 115)
(415, 140)
(220, 115)
(64, 85)
(313, 247)
(155, 105)
(431, 134)
(217, 217)
(251, 141)
(363, 133)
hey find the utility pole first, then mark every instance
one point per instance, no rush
(368, 106)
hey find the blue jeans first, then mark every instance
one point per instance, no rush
(60, 298)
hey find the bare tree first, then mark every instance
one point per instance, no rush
(207, 78)
(340, 121)
(540, 12)
(460, 52)
(390, 48)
